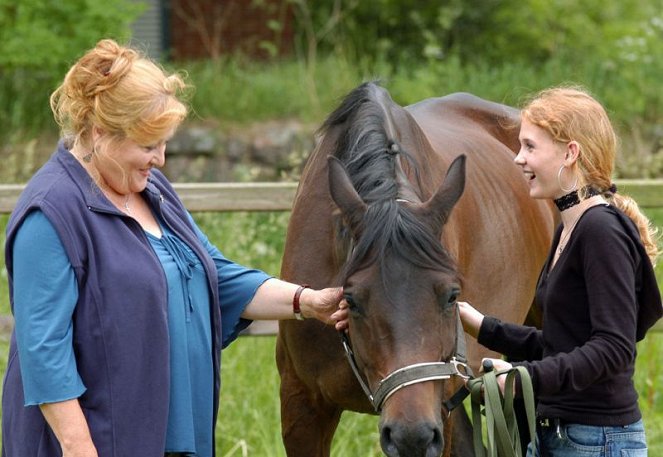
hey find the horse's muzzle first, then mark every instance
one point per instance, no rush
(420, 439)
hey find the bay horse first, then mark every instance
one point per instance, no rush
(409, 209)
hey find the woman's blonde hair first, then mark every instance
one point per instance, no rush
(572, 114)
(125, 94)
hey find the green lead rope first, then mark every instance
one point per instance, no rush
(502, 433)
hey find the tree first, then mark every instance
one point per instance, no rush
(39, 40)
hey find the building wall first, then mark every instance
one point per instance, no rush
(148, 30)
(213, 28)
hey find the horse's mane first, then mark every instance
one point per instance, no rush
(369, 156)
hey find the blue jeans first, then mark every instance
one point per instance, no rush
(575, 440)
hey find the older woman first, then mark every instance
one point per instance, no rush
(121, 303)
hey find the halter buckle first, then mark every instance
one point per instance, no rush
(467, 371)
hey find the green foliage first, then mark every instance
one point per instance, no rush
(497, 49)
(252, 239)
(616, 45)
(40, 39)
(492, 30)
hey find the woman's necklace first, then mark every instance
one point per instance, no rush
(126, 205)
(562, 243)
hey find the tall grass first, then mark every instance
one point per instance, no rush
(235, 90)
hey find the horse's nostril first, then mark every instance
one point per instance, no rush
(437, 444)
(387, 443)
(421, 440)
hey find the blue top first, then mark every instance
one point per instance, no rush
(46, 289)
(120, 321)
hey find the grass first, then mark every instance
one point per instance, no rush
(249, 415)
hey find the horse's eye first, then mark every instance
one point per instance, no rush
(452, 296)
(352, 305)
(351, 302)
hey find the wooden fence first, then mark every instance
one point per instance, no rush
(218, 197)
(279, 196)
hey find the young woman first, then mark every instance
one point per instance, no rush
(121, 303)
(597, 290)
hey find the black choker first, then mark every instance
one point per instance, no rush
(572, 199)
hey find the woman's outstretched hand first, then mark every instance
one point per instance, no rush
(341, 316)
(321, 304)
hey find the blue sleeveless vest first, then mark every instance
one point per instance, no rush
(120, 320)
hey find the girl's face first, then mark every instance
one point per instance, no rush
(541, 157)
(126, 166)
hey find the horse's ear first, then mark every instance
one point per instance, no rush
(438, 208)
(344, 194)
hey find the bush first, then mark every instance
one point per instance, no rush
(40, 40)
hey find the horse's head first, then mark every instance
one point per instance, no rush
(401, 286)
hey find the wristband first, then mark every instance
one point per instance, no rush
(295, 302)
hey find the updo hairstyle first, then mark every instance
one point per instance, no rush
(118, 90)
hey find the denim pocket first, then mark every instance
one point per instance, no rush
(627, 443)
(588, 439)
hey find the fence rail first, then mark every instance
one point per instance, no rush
(279, 196)
(221, 197)
(205, 196)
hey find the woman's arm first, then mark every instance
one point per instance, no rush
(67, 421)
(512, 340)
(274, 301)
(273, 298)
(45, 296)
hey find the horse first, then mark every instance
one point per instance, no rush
(409, 209)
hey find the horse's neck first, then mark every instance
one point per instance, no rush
(406, 191)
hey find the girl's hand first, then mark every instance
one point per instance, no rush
(471, 318)
(499, 365)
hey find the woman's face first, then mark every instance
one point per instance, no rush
(541, 157)
(126, 166)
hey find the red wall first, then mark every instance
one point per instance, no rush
(220, 27)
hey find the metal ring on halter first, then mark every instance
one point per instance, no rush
(559, 181)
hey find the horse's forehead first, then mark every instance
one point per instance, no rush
(396, 277)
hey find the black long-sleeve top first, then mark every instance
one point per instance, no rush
(598, 300)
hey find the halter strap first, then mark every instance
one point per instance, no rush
(415, 373)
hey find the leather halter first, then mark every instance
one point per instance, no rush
(416, 373)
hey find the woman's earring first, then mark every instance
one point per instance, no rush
(87, 158)
(559, 181)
